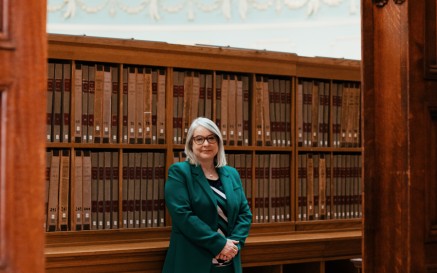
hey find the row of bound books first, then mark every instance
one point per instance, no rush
(58, 101)
(232, 108)
(144, 91)
(96, 91)
(192, 97)
(273, 98)
(329, 187)
(95, 103)
(272, 188)
(89, 198)
(98, 88)
(315, 113)
(143, 189)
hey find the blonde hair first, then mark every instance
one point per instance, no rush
(220, 159)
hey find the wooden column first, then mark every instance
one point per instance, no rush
(399, 139)
(22, 143)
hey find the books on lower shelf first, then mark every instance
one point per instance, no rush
(271, 190)
(93, 191)
(329, 186)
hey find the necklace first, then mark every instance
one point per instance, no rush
(209, 173)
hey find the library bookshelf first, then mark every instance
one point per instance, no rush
(117, 113)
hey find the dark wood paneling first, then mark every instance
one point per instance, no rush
(400, 93)
(431, 183)
(430, 45)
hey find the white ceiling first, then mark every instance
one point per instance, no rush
(329, 28)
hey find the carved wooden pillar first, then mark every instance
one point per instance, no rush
(400, 136)
(22, 144)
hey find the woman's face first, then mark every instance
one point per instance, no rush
(206, 151)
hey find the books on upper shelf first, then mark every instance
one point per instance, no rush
(319, 104)
(96, 89)
(313, 113)
(143, 105)
(273, 114)
(232, 108)
(58, 100)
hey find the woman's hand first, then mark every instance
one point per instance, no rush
(229, 251)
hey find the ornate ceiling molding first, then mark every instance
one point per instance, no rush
(157, 8)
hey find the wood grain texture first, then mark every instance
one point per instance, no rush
(23, 54)
(259, 251)
(399, 156)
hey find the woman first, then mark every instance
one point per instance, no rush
(210, 214)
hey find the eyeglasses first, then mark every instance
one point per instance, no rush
(199, 140)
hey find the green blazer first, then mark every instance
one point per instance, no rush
(194, 239)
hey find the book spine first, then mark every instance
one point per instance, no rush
(50, 97)
(125, 191)
(259, 113)
(131, 105)
(98, 103)
(85, 94)
(86, 189)
(148, 106)
(66, 97)
(78, 103)
(94, 188)
(143, 194)
(139, 106)
(114, 191)
(106, 104)
(115, 90)
(160, 119)
(107, 188)
(53, 198)
(125, 130)
(57, 102)
(101, 191)
(91, 102)
(64, 188)
(266, 112)
(78, 184)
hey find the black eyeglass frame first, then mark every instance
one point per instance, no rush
(199, 140)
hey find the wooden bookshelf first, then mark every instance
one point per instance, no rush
(271, 163)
